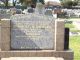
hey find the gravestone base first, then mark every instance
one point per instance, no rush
(67, 55)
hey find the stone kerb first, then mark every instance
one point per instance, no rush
(59, 35)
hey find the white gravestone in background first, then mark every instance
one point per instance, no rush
(32, 32)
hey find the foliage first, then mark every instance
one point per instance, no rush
(5, 2)
(69, 4)
(1, 4)
(14, 2)
(26, 2)
(75, 3)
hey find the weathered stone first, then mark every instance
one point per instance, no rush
(5, 34)
(59, 45)
(28, 33)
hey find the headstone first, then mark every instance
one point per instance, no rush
(40, 8)
(2, 11)
(30, 10)
(4, 14)
(13, 10)
(18, 11)
(30, 32)
(48, 12)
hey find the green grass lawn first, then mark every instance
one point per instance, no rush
(75, 46)
(69, 25)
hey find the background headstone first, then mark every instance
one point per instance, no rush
(18, 11)
(48, 12)
(40, 8)
(30, 10)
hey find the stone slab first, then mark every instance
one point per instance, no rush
(32, 32)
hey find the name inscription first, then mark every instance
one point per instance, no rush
(32, 34)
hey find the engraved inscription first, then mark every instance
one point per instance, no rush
(32, 34)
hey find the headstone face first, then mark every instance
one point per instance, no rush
(32, 32)
(4, 14)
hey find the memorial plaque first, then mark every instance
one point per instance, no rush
(32, 32)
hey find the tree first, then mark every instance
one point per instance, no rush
(69, 4)
(14, 2)
(26, 2)
(5, 2)
(75, 3)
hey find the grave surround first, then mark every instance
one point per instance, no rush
(57, 51)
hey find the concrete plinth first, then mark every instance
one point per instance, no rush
(32, 58)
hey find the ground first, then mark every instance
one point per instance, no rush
(75, 39)
(75, 46)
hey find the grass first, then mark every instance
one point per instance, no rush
(74, 41)
(75, 45)
(69, 25)
(72, 30)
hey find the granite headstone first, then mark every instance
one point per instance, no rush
(32, 32)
